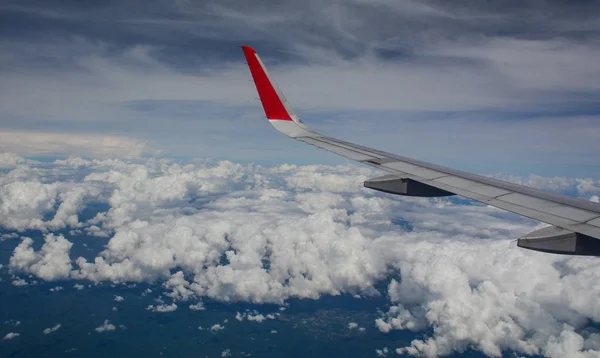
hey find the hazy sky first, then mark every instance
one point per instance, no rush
(488, 87)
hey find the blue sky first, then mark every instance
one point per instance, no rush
(485, 87)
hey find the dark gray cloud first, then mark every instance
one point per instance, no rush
(184, 30)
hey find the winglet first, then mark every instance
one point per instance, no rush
(273, 101)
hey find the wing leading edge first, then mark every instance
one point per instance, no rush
(576, 222)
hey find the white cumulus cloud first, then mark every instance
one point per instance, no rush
(217, 327)
(51, 263)
(52, 329)
(248, 233)
(10, 160)
(105, 327)
(10, 335)
(256, 318)
(197, 307)
(163, 308)
(19, 282)
(382, 352)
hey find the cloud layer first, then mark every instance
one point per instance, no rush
(258, 234)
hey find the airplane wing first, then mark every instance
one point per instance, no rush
(575, 222)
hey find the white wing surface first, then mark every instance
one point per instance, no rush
(576, 222)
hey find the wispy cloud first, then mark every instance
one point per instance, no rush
(31, 143)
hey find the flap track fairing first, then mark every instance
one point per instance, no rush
(557, 240)
(404, 186)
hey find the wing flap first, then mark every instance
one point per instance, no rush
(473, 186)
(415, 170)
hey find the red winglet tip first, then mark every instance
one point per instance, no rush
(272, 105)
(248, 49)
